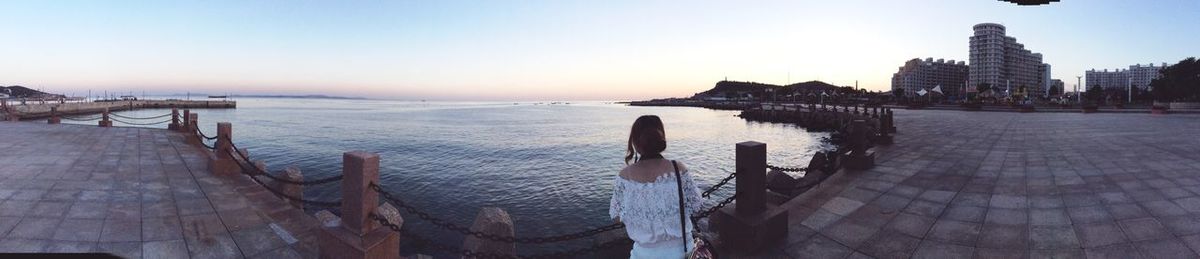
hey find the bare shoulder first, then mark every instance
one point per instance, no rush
(627, 172)
(682, 167)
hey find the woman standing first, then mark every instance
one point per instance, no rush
(646, 195)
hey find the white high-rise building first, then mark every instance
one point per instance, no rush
(1137, 75)
(1001, 62)
(917, 74)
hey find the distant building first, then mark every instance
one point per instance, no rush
(1058, 84)
(917, 74)
(1001, 62)
(1137, 75)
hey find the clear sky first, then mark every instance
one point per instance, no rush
(548, 50)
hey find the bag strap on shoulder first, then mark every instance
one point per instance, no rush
(682, 214)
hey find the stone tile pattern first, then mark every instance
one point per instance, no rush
(1010, 185)
(135, 193)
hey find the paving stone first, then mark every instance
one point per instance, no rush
(965, 213)
(121, 230)
(257, 240)
(18, 245)
(925, 208)
(161, 228)
(127, 250)
(1088, 214)
(1053, 237)
(842, 206)
(1007, 216)
(1191, 204)
(1163, 208)
(1165, 248)
(911, 224)
(1126, 211)
(890, 244)
(1143, 229)
(1046, 202)
(69, 247)
(34, 228)
(1099, 234)
(1057, 253)
(935, 249)
(1049, 217)
(937, 196)
(955, 232)
(819, 247)
(165, 249)
(1003, 236)
(79, 230)
(1119, 251)
(1192, 241)
(820, 218)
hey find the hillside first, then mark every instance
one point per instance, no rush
(17, 91)
(732, 88)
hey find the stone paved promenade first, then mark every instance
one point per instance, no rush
(136, 193)
(1011, 185)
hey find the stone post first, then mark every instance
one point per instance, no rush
(493, 221)
(53, 116)
(751, 223)
(358, 236)
(891, 121)
(104, 122)
(187, 120)
(189, 132)
(222, 162)
(174, 119)
(295, 190)
(859, 158)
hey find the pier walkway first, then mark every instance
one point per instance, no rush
(136, 193)
(1010, 185)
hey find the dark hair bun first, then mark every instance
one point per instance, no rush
(651, 142)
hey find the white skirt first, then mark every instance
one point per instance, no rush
(665, 249)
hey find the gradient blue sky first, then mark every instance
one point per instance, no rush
(547, 50)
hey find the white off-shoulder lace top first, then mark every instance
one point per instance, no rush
(650, 210)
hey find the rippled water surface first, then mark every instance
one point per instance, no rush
(550, 166)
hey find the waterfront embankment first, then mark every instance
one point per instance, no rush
(35, 110)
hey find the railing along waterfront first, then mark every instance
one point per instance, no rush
(366, 226)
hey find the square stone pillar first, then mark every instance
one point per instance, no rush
(859, 158)
(174, 119)
(751, 223)
(223, 164)
(104, 121)
(359, 236)
(187, 121)
(53, 116)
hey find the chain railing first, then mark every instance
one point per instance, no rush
(787, 169)
(243, 165)
(138, 118)
(81, 118)
(714, 188)
(139, 123)
(507, 239)
(260, 171)
(422, 241)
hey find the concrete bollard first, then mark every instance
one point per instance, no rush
(174, 119)
(359, 236)
(187, 121)
(222, 162)
(891, 121)
(859, 157)
(493, 221)
(295, 190)
(53, 116)
(751, 223)
(189, 131)
(104, 121)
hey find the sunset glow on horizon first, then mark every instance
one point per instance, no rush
(548, 50)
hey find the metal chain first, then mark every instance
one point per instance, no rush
(787, 169)
(205, 136)
(80, 119)
(281, 179)
(467, 231)
(140, 124)
(714, 188)
(326, 204)
(139, 118)
(468, 253)
(709, 211)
